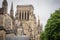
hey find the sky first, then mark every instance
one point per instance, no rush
(42, 8)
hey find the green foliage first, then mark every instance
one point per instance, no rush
(42, 36)
(52, 28)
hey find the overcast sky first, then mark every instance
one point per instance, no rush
(43, 8)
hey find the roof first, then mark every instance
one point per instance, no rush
(25, 6)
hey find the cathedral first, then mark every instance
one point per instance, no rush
(24, 22)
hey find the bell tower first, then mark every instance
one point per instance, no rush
(5, 6)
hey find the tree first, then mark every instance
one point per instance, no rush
(43, 36)
(52, 28)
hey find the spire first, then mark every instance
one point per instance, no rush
(38, 21)
(11, 11)
(12, 6)
(39, 26)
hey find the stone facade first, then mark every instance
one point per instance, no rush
(24, 22)
(25, 14)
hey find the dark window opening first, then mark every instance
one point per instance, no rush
(25, 15)
(20, 16)
(28, 15)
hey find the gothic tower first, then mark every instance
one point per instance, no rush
(11, 11)
(5, 6)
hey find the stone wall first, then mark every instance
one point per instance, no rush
(17, 38)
